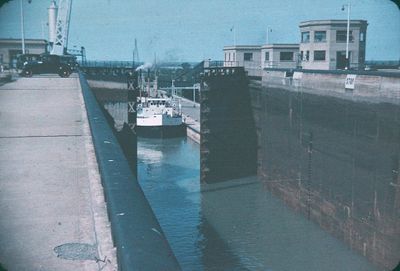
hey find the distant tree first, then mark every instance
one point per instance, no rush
(397, 2)
(2, 2)
(186, 66)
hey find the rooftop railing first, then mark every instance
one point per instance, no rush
(280, 64)
(220, 63)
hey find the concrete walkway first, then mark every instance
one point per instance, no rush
(191, 117)
(190, 112)
(52, 210)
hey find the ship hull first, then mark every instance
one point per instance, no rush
(165, 131)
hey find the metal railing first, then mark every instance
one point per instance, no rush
(280, 64)
(108, 64)
(253, 68)
(220, 63)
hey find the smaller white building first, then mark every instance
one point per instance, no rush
(280, 56)
(247, 56)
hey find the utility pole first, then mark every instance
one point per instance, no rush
(234, 36)
(348, 6)
(22, 26)
(267, 37)
(233, 29)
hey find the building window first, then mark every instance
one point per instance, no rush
(301, 55)
(305, 37)
(341, 36)
(319, 55)
(307, 55)
(248, 56)
(234, 56)
(320, 36)
(1, 58)
(226, 59)
(286, 56)
(266, 56)
(361, 36)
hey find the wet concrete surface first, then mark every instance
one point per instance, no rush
(50, 191)
(191, 116)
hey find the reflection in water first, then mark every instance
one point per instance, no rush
(235, 225)
(149, 155)
(119, 111)
(171, 185)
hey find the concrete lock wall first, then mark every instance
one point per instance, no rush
(138, 237)
(369, 87)
(332, 154)
(228, 136)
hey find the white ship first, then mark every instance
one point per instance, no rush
(159, 117)
(157, 114)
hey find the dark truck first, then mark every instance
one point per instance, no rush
(46, 63)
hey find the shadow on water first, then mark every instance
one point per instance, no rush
(264, 234)
(232, 225)
(168, 171)
(216, 254)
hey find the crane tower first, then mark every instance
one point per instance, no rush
(61, 27)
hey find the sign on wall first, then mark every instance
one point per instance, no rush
(350, 81)
(297, 75)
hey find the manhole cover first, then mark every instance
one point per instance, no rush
(76, 251)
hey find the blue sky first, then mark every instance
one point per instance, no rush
(191, 30)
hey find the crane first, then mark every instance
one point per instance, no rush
(61, 27)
